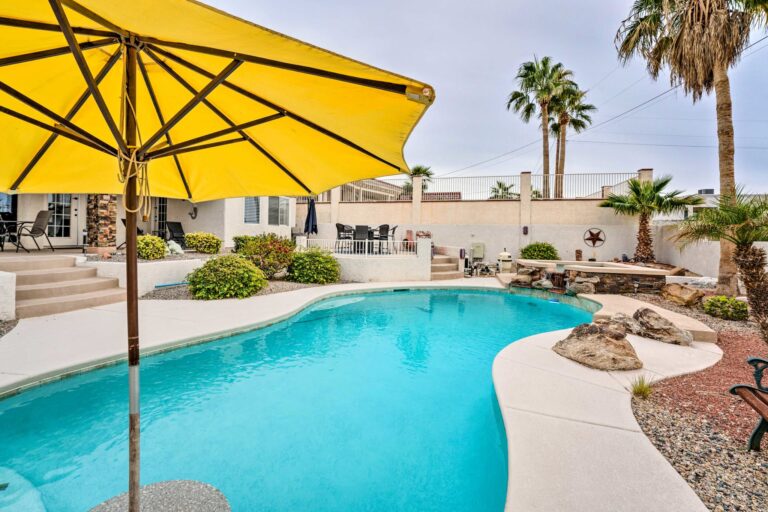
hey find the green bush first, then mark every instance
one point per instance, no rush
(225, 277)
(539, 251)
(268, 252)
(728, 308)
(314, 266)
(240, 241)
(206, 243)
(150, 247)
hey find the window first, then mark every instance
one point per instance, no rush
(278, 211)
(6, 203)
(252, 210)
(161, 216)
(60, 206)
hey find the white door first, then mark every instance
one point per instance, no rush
(68, 219)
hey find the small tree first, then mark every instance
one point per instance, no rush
(742, 221)
(502, 190)
(646, 199)
(424, 172)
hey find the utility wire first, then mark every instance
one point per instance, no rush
(759, 148)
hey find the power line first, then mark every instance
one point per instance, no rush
(759, 148)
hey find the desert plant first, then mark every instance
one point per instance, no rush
(150, 247)
(539, 81)
(646, 199)
(742, 221)
(539, 251)
(698, 41)
(226, 277)
(641, 387)
(206, 243)
(269, 252)
(314, 266)
(728, 308)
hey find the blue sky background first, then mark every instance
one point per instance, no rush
(470, 52)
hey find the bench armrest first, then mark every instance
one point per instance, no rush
(760, 365)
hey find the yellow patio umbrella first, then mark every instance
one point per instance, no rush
(172, 98)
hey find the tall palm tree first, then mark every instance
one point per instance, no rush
(698, 40)
(539, 81)
(502, 190)
(570, 111)
(424, 172)
(742, 221)
(645, 199)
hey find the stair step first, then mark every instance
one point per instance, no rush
(53, 305)
(53, 275)
(441, 258)
(444, 267)
(63, 288)
(440, 276)
(15, 264)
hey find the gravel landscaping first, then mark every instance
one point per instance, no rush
(182, 292)
(5, 327)
(120, 257)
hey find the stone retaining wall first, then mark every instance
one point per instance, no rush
(622, 283)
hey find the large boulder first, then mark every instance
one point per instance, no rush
(544, 284)
(577, 288)
(527, 270)
(599, 345)
(627, 322)
(656, 327)
(520, 279)
(681, 294)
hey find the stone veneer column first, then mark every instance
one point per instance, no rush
(102, 220)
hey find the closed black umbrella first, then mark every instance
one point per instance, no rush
(310, 225)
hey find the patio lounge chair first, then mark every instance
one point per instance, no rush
(176, 233)
(139, 232)
(34, 230)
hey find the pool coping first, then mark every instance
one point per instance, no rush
(33, 333)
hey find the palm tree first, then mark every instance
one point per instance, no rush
(502, 190)
(645, 199)
(698, 40)
(742, 221)
(424, 172)
(539, 81)
(570, 111)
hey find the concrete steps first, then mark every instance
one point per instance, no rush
(47, 285)
(445, 267)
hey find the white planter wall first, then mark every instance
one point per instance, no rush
(151, 274)
(7, 295)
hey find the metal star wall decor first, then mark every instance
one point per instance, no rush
(594, 237)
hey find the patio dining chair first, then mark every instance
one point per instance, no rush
(344, 237)
(34, 230)
(361, 238)
(383, 236)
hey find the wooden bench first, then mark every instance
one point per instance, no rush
(757, 398)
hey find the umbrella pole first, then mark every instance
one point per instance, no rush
(131, 263)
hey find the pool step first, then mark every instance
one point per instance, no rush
(52, 305)
(445, 267)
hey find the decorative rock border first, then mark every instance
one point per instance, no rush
(172, 496)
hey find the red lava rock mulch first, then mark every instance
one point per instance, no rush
(705, 394)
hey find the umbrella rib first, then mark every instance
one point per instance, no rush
(209, 145)
(94, 17)
(170, 150)
(200, 96)
(54, 52)
(55, 129)
(69, 35)
(365, 82)
(160, 117)
(77, 106)
(52, 27)
(226, 119)
(273, 106)
(55, 117)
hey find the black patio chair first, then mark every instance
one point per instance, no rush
(361, 238)
(383, 236)
(34, 230)
(139, 232)
(7, 229)
(176, 233)
(344, 235)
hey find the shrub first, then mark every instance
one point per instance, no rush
(240, 241)
(642, 387)
(727, 308)
(268, 252)
(206, 243)
(150, 247)
(539, 251)
(314, 266)
(226, 277)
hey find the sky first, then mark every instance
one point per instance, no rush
(470, 52)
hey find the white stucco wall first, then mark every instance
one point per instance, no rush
(7, 295)
(150, 274)
(235, 220)
(372, 269)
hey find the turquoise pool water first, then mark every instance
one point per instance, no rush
(377, 402)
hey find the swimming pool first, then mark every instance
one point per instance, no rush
(375, 402)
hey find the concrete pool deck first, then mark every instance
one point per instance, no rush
(573, 441)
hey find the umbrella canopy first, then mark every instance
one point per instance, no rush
(174, 99)
(276, 116)
(310, 224)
